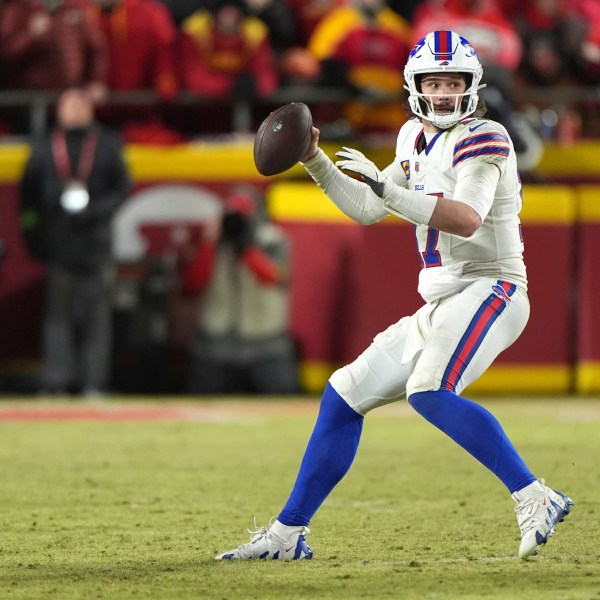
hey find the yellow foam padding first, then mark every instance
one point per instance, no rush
(524, 378)
(589, 203)
(207, 162)
(304, 201)
(587, 377)
(549, 204)
(299, 201)
(314, 375)
(233, 160)
(498, 379)
(12, 162)
(581, 158)
(204, 161)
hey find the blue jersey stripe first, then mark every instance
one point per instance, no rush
(497, 150)
(481, 137)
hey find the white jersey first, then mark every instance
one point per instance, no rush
(468, 283)
(451, 262)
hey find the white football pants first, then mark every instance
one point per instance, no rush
(446, 344)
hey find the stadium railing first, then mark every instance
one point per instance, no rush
(38, 103)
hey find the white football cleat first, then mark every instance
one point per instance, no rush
(265, 544)
(537, 516)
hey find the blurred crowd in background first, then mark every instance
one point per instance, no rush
(172, 71)
(200, 57)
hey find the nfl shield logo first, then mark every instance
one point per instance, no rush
(416, 167)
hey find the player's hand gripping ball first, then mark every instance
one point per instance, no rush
(282, 138)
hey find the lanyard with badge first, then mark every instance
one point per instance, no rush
(75, 196)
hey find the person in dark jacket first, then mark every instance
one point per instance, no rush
(74, 181)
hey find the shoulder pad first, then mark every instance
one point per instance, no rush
(480, 139)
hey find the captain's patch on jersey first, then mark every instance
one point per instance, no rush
(405, 164)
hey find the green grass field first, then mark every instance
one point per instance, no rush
(127, 502)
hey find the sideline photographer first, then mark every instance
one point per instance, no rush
(241, 273)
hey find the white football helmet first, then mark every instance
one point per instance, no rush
(443, 52)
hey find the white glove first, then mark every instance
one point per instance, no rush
(358, 163)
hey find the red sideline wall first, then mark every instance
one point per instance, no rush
(588, 289)
(351, 282)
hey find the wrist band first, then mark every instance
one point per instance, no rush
(413, 206)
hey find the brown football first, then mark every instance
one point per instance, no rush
(282, 138)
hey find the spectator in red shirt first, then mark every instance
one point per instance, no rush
(364, 47)
(52, 45)
(141, 38)
(141, 44)
(308, 14)
(226, 50)
(226, 54)
(552, 33)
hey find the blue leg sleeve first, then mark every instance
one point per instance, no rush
(477, 431)
(329, 454)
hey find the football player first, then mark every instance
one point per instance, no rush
(455, 178)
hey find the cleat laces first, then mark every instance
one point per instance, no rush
(258, 532)
(256, 535)
(265, 543)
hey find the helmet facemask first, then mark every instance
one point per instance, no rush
(443, 52)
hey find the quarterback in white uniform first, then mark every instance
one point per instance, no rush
(455, 178)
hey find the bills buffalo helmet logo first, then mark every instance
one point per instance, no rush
(417, 47)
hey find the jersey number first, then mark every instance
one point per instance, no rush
(431, 257)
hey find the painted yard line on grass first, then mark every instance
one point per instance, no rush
(222, 411)
(246, 410)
